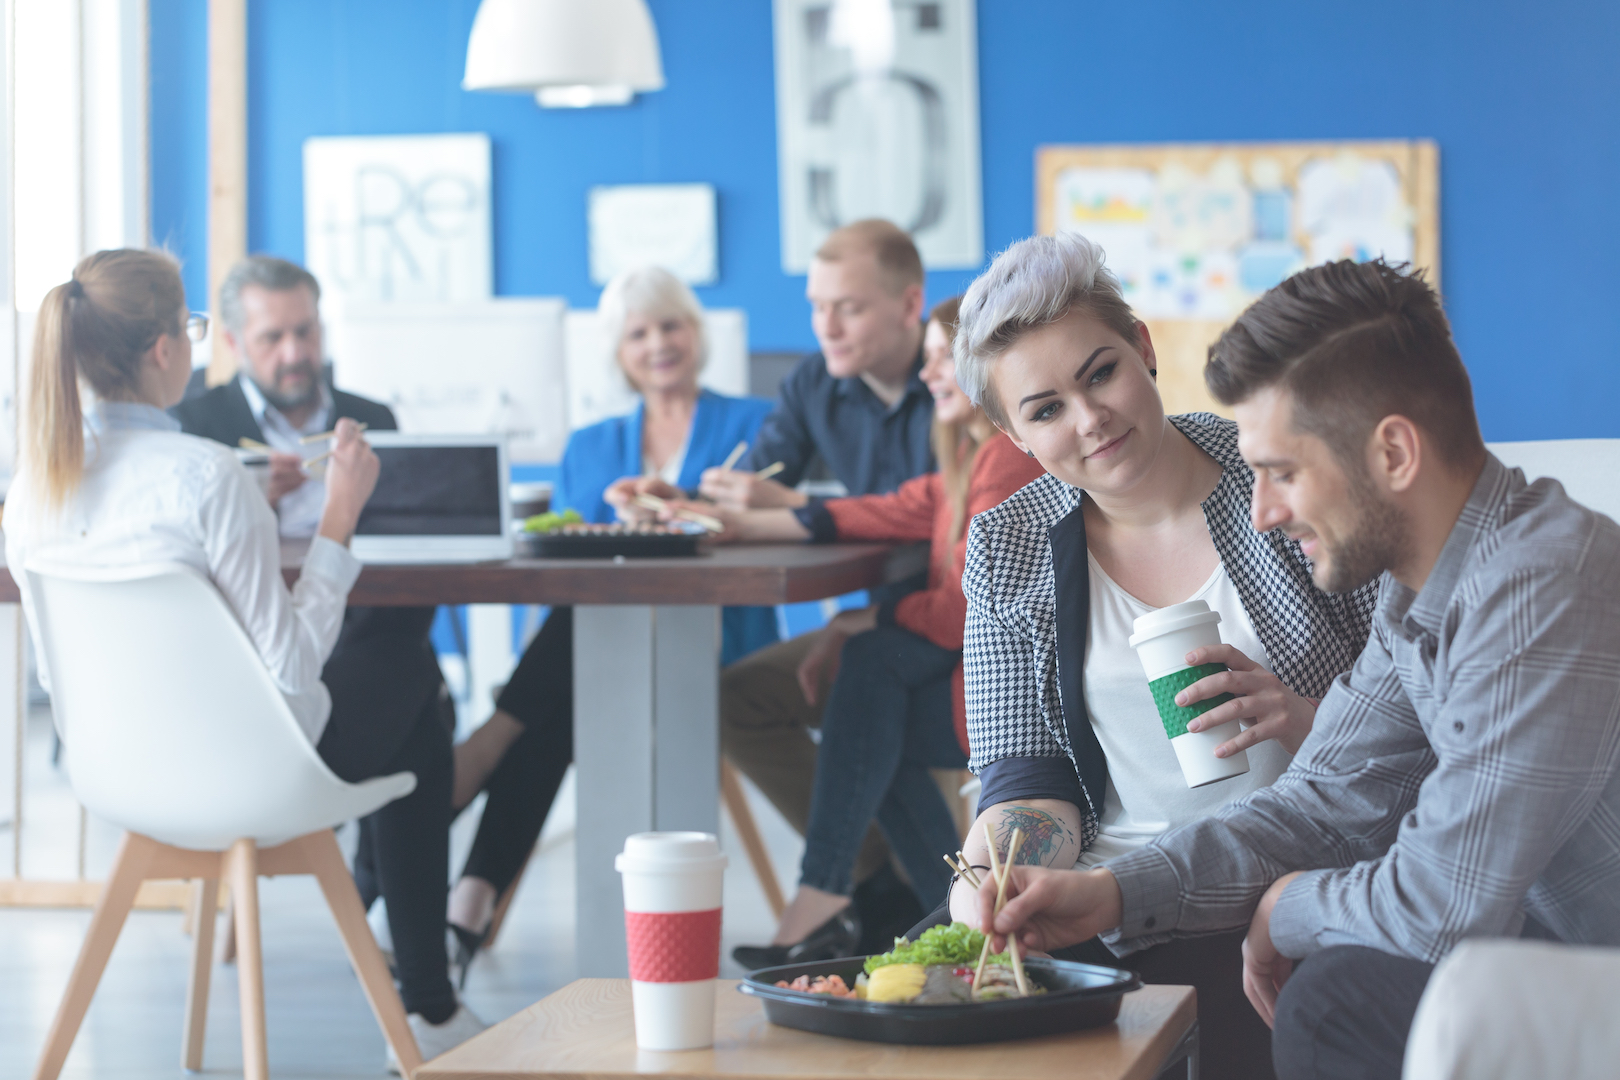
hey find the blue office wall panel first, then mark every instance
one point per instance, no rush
(1520, 98)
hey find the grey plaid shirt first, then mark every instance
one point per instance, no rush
(1461, 777)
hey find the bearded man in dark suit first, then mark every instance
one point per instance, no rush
(383, 667)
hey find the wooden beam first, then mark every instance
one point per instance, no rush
(161, 895)
(227, 160)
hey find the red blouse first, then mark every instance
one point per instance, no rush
(920, 510)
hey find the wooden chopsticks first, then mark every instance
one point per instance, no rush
(254, 444)
(307, 439)
(736, 452)
(653, 502)
(769, 471)
(1001, 872)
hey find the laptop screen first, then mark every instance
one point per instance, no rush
(435, 491)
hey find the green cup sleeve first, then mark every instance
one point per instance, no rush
(1166, 688)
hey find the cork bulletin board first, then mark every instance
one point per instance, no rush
(1197, 231)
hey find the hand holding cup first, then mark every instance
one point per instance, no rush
(1259, 699)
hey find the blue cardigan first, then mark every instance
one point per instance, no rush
(610, 449)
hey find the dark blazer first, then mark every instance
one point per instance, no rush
(383, 672)
(223, 414)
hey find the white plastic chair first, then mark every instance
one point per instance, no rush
(1589, 469)
(175, 732)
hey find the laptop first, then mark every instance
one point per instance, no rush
(439, 499)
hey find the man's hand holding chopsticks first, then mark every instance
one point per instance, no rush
(1050, 909)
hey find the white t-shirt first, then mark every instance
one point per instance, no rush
(1147, 794)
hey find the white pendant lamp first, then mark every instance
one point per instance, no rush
(568, 53)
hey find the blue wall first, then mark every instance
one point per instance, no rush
(1521, 99)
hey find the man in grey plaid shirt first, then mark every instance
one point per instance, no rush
(1461, 780)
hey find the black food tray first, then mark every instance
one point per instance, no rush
(607, 545)
(1077, 996)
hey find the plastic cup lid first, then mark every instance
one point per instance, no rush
(1167, 620)
(669, 852)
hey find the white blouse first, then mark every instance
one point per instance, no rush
(152, 494)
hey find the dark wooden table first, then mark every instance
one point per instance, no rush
(646, 678)
(741, 574)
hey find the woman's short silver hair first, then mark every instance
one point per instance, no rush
(1032, 284)
(650, 291)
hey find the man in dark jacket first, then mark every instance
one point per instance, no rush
(383, 668)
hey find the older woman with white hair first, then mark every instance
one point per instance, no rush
(655, 327)
(1137, 511)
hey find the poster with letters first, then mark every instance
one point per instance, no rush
(877, 105)
(398, 219)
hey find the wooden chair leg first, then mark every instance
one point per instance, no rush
(188, 921)
(325, 860)
(243, 873)
(731, 790)
(117, 897)
(227, 940)
(204, 913)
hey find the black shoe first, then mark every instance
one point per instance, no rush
(887, 908)
(466, 946)
(836, 937)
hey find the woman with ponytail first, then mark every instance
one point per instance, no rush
(106, 478)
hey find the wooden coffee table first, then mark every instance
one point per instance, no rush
(586, 1030)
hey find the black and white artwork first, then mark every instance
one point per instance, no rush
(877, 105)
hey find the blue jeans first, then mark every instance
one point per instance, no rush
(888, 721)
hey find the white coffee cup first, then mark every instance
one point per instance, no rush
(672, 888)
(1162, 640)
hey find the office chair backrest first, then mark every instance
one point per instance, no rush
(172, 724)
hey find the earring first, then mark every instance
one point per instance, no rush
(1031, 453)
(1153, 371)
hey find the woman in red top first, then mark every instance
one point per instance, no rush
(896, 706)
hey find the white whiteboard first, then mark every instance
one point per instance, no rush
(480, 367)
(597, 389)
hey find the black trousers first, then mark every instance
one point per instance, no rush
(540, 696)
(1233, 1042)
(388, 716)
(1345, 1014)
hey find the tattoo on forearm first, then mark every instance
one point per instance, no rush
(1045, 836)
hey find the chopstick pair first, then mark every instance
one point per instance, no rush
(307, 439)
(764, 474)
(963, 870)
(254, 444)
(653, 502)
(1001, 873)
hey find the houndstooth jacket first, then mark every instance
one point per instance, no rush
(1028, 602)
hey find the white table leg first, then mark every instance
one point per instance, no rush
(647, 748)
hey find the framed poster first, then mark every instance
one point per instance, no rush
(877, 115)
(667, 225)
(398, 218)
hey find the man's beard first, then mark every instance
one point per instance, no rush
(284, 402)
(1376, 541)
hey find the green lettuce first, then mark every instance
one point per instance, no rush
(957, 943)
